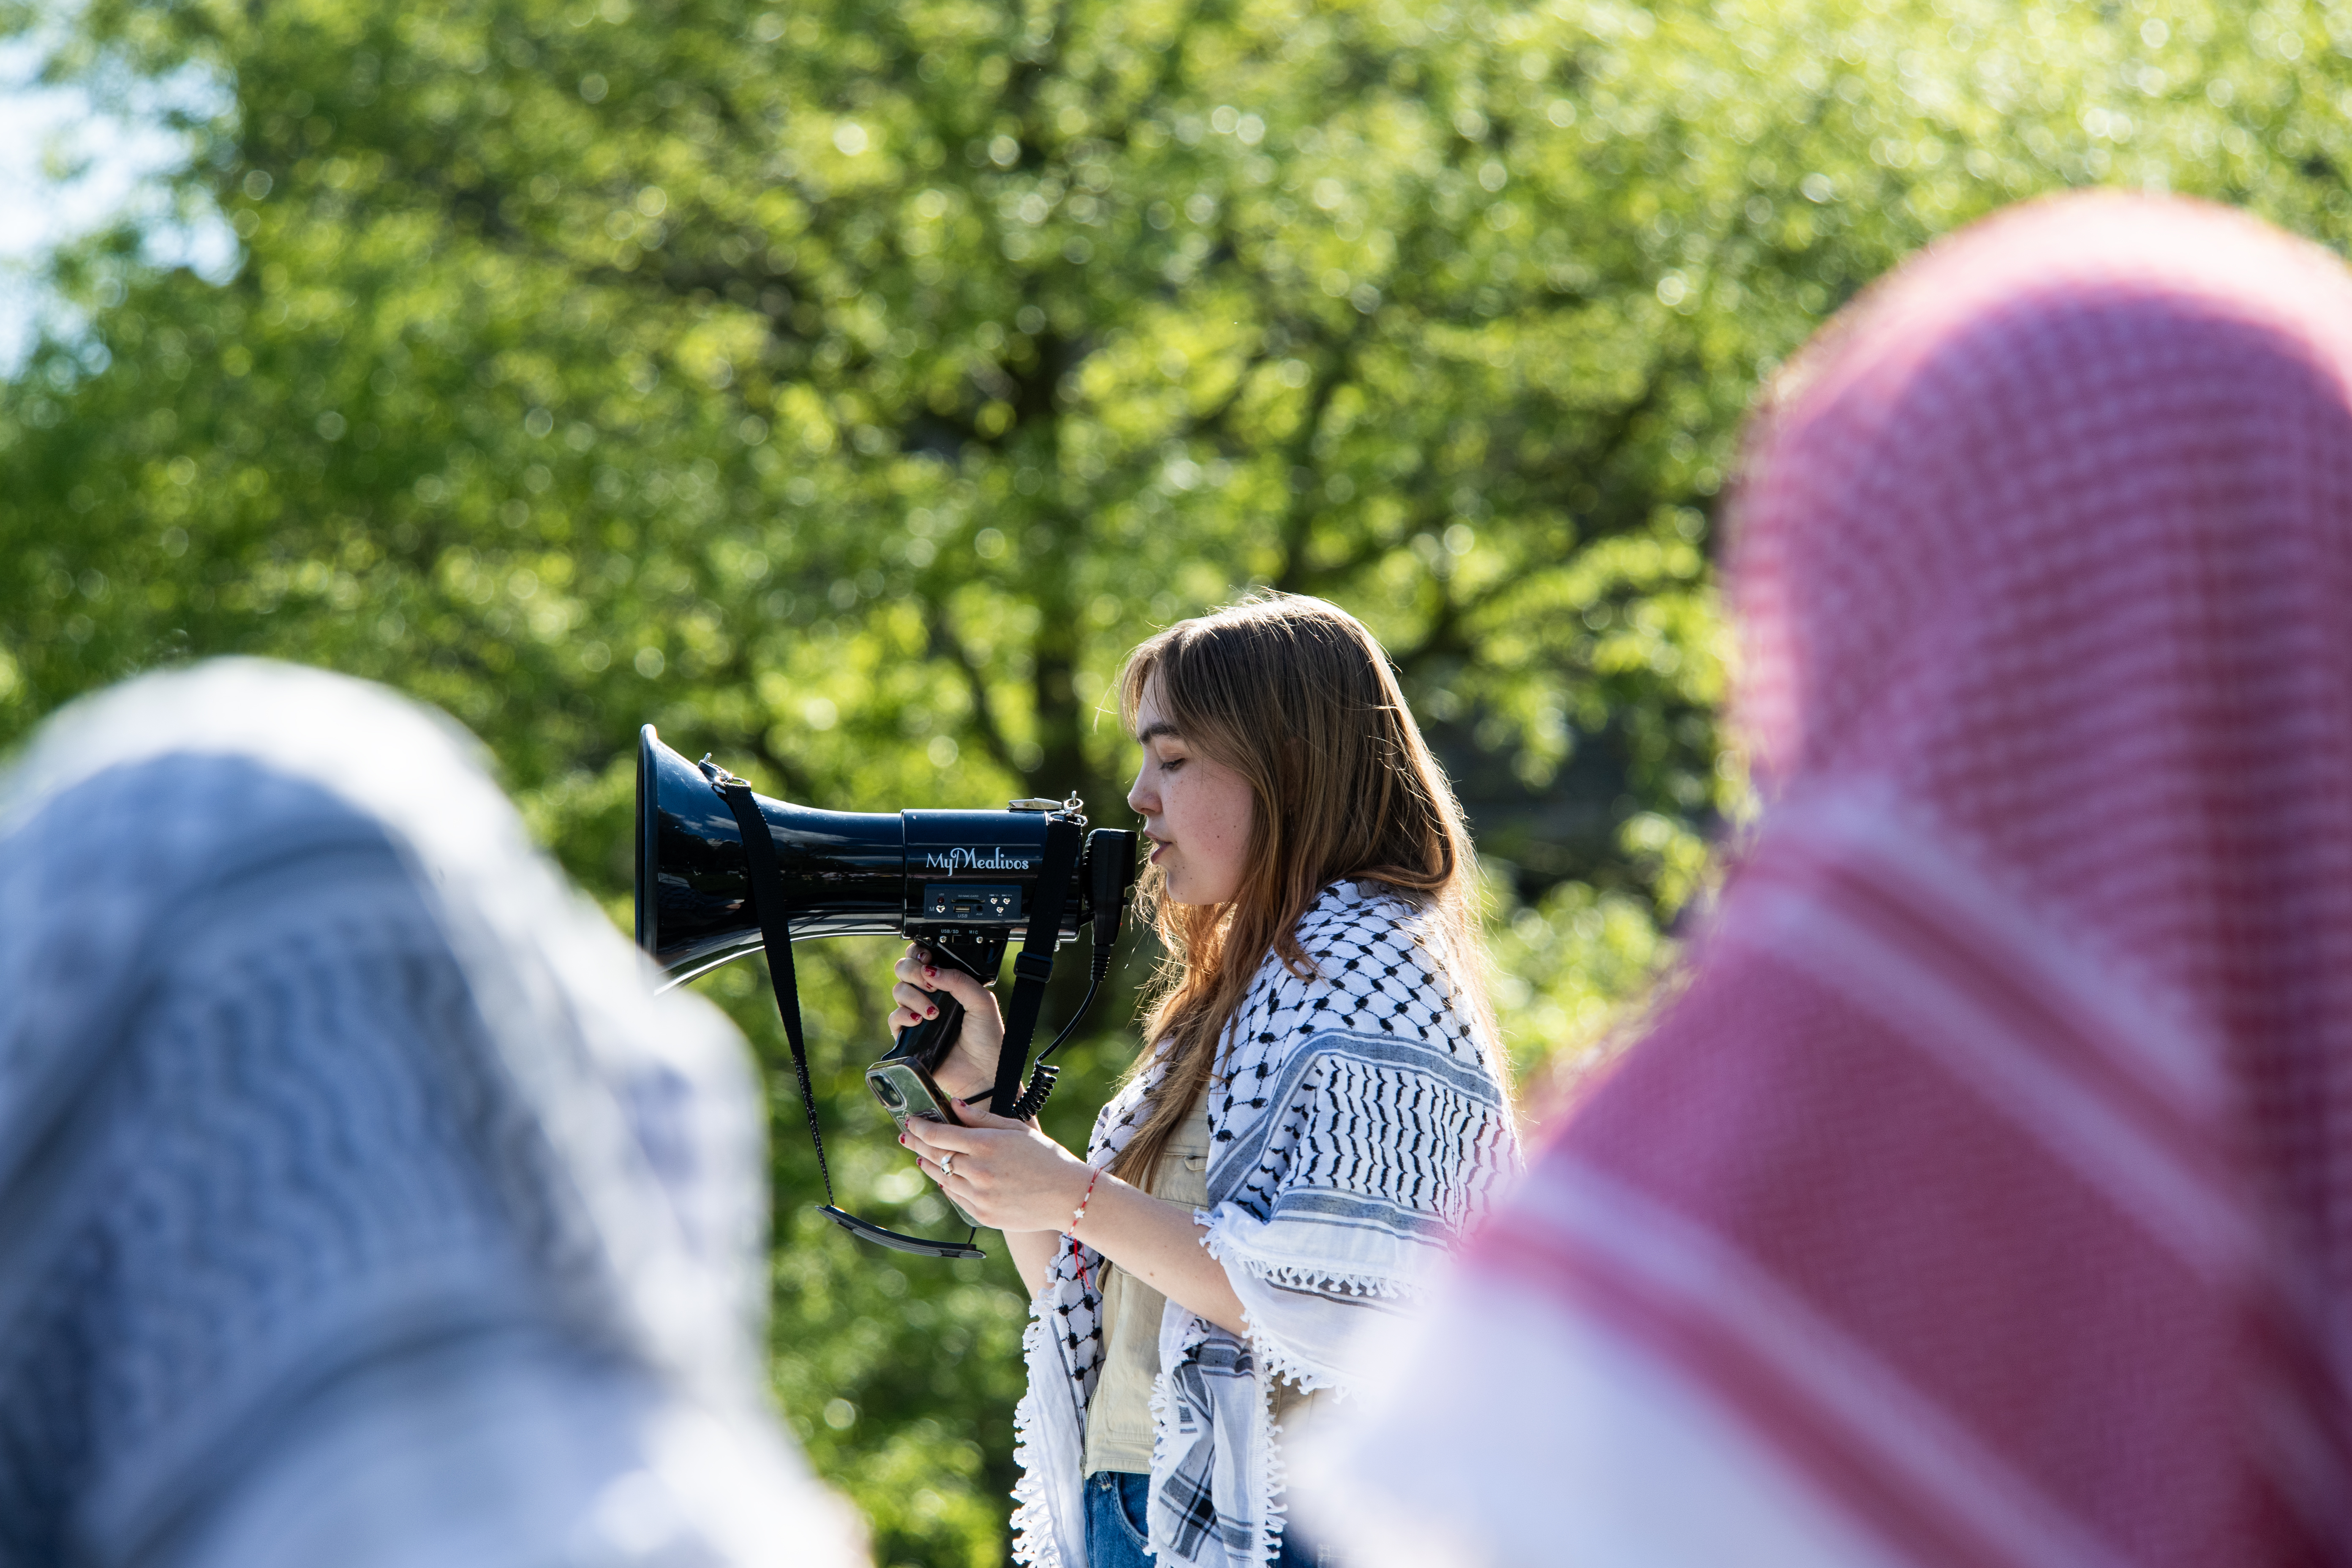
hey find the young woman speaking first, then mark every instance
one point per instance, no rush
(1317, 1111)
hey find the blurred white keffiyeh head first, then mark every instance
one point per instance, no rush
(359, 1199)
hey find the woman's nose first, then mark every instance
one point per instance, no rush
(1141, 799)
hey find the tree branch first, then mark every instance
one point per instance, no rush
(945, 643)
(1299, 518)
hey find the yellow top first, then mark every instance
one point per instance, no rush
(1119, 1417)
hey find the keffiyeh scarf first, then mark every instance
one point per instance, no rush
(360, 1201)
(1981, 1199)
(1358, 1124)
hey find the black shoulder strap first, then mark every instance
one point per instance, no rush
(1034, 964)
(776, 937)
(766, 890)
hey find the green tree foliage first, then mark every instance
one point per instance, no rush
(847, 387)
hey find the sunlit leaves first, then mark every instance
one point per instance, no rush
(845, 388)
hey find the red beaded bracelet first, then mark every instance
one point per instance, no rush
(1079, 1212)
(1079, 1247)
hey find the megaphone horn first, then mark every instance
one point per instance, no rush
(844, 872)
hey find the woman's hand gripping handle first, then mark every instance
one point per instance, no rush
(928, 988)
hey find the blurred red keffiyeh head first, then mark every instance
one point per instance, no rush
(1986, 1198)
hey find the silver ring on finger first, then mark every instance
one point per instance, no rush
(947, 1166)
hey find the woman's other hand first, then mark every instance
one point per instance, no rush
(1008, 1175)
(971, 1066)
(1005, 1173)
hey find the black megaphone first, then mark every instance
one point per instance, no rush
(963, 883)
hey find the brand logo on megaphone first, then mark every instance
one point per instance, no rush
(996, 859)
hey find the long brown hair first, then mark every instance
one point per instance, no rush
(1297, 697)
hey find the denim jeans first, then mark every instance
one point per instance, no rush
(1115, 1529)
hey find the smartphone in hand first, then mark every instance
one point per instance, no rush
(907, 1089)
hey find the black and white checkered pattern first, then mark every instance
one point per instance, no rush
(1357, 1124)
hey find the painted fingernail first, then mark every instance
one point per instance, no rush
(931, 1012)
(930, 974)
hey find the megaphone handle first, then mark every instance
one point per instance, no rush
(930, 1041)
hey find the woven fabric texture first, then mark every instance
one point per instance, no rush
(359, 1201)
(1358, 1125)
(1994, 1171)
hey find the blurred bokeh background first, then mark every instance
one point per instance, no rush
(845, 388)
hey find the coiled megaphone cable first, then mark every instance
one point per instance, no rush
(1042, 1077)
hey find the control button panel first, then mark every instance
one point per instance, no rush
(970, 902)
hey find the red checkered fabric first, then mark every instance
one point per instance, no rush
(1996, 1164)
